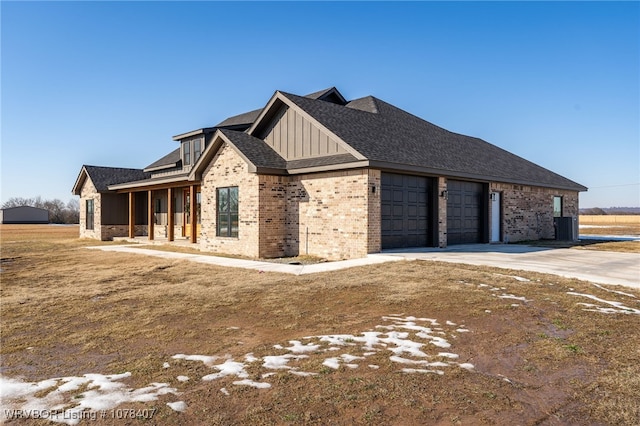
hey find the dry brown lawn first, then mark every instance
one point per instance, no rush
(68, 311)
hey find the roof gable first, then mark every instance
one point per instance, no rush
(102, 177)
(273, 112)
(293, 136)
(259, 157)
(328, 95)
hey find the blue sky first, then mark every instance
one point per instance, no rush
(109, 83)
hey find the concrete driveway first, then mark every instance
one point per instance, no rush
(591, 265)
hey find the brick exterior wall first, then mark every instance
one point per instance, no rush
(328, 214)
(100, 231)
(442, 212)
(527, 211)
(320, 214)
(228, 169)
(374, 212)
(335, 215)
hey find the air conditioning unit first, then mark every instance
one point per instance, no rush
(566, 228)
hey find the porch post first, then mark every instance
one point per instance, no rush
(170, 214)
(132, 215)
(150, 218)
(192, 213)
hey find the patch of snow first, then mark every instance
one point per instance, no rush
(618, 307)
(247, 382)
(303, 373)
(298, 348)
(179, 406)
(103, 392)
(513, 296)
(448, 355)
(279, 361)
(225, 391)
(517, 278)
(183, 378)
(375, 367)
(228, 368)
(206, 360)
(166, 365)
(332, 363)
(467, 366)
(421, 370)
(614, 291)
(250, 358)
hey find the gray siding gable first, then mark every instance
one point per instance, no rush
(295, 137)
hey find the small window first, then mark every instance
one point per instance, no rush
(186, 152)
(227, 203)
(197, 150)
(90, 216)
(557, 206)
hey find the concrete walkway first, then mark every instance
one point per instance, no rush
(604, 267)
(596, 266)
(253, 264)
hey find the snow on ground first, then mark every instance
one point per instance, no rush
(411, 343)
(612, 308)
(58, 400)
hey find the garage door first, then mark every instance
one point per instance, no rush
(465, 212)
(405, 210)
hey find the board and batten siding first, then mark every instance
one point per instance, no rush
(294, 137)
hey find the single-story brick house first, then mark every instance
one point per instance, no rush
(324, 176)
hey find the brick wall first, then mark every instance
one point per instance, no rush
(442, 212)
(527, 211)
(227, 169)
(320, 214)
(374, 212)
(328, 214)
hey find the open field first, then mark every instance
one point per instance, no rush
(399, 343)
(610, 224)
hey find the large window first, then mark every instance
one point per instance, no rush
(89, 218)
(557, 206)
(227, 202)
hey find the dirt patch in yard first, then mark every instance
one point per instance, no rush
(405, 343)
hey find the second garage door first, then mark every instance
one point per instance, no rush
(465, 207)
(405, 211)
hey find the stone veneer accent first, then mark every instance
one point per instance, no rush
(87, 192)
(527, 211)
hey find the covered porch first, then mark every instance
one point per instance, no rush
(163, 214)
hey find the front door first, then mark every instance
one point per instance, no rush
(186, 230)
(495, 217)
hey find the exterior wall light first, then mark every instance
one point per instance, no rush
(445, 194)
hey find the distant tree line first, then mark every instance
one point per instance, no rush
(59, 212)
(611, 211)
